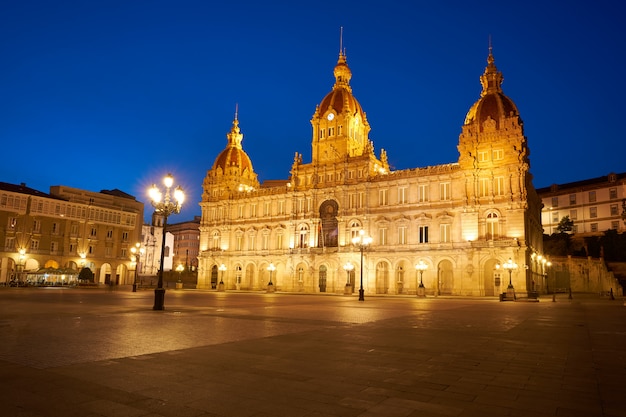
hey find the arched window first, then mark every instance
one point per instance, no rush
(354, 228)
(302, 236)
(493, 226)
(216, 241)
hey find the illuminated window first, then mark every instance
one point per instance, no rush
(402, 235)
(493, 226)
(422, 193)
(402, 195)
(382, 197)
(444, 191)
(498, 184)
(303, 236)
(483, 184)
(483, 156)
(498, 154)
(445, 233)
(382, 236)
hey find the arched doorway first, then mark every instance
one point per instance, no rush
(214, 277)
(492, 279)
(329, 231)
(446, 277)
(105, 274)
(382, 278)
(322, 278)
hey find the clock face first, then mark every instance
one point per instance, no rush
(330, 116)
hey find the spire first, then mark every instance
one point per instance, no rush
(491, 79)
(235, 136)
(342, 72)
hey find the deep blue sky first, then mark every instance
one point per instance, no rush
(115, 94)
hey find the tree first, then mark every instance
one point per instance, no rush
(85, 275)
(565, 225)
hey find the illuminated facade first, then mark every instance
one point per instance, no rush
(67, 229)
(462, 219)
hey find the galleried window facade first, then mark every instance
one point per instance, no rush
(460, 219)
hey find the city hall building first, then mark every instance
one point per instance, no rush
(345, 217)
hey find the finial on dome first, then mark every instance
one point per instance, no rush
(341, 51)
(491, 79)
(236, 110)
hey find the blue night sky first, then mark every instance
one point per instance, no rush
(115, 94)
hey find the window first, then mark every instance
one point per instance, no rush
(593, 212)
(594, 227)
(279, 240)
(215, 245)
(239, 242)
(573, 214)
(108, 252)
(34, 245)
(614, 210)
(483, 185)
(55, 228)
(445, 232)
(555, 201)
(240, 211)
(615, 225)
(354, 230)
(302, 237)
(253, 210)
(9, 244)
(301, 205)
(572, 199)
(493, 226)
(498, 154)
(109, 234)
(266, 240)
(422, 193)
(382, 236)
(483, 156)
(382, 197)
(281, 207)
(72, 248)
(251, 241)
(352, 203)
(423, 234)
(402, 235)
(444, 191)
(36, 226)
(124, 236)
(266, 208)
(402, 195)
(498, 185)
(555, 217)
(592, 196)
(93, 232)
(612, 193)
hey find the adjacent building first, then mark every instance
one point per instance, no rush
(186, 238)
(346, 218)
(594, 205)
(65, 230)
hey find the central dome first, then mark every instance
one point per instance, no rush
(340, 100)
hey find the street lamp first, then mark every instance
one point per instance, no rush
(137, 251)
(270, 285)
(348, 267)
(361, 241)
(421, 266)
(222, 268)
(510, 266)
(164, 206)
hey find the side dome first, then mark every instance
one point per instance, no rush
(233, 159)
(493, 104)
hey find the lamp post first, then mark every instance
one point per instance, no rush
(270, 285)
(165, 206)
(222, 268)
(348, 267)
(21, 263)
(137, 251)
(421, 266)
(361, 241)
(510, 266)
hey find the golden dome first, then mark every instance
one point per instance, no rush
(493, 104)
(233, 157)
(340, 100)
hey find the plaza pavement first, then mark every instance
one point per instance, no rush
(102, 352)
